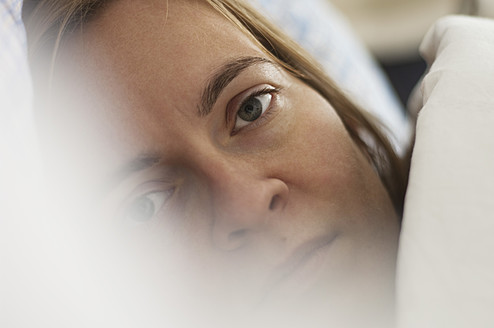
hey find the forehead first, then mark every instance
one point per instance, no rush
(144, 54)
(157, 41)
(138, 63)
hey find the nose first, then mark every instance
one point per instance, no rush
(243, 206)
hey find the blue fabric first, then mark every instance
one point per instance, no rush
(13, 64)
(18, 151)
(15, 85)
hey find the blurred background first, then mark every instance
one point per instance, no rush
(393, 29)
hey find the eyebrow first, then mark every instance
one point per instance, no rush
(140, 163)
(222, 77)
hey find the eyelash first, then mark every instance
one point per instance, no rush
(232, 114)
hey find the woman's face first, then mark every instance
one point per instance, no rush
(202, 146)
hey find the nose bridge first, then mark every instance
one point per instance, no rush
(243, 199)
(237, 190)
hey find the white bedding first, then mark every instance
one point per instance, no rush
(446, 257)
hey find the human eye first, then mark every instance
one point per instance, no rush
(144, 208)
(252, 106)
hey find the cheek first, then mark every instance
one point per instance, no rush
(328, 174)
(323, 156)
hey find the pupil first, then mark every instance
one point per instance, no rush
(251, 110)
(142, 209)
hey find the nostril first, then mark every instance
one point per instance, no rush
(274, 202)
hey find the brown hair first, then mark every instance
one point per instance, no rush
(49, 21)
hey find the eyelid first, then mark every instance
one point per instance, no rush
(151, 186)
(235, 104)
(137, 194)
(160, 196)
(148, 188)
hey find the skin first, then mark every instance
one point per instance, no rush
(239, 202)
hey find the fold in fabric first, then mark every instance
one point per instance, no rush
(446, 256)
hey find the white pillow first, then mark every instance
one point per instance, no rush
(446, 257)
(322, 30)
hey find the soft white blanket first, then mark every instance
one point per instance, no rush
(446, 258)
